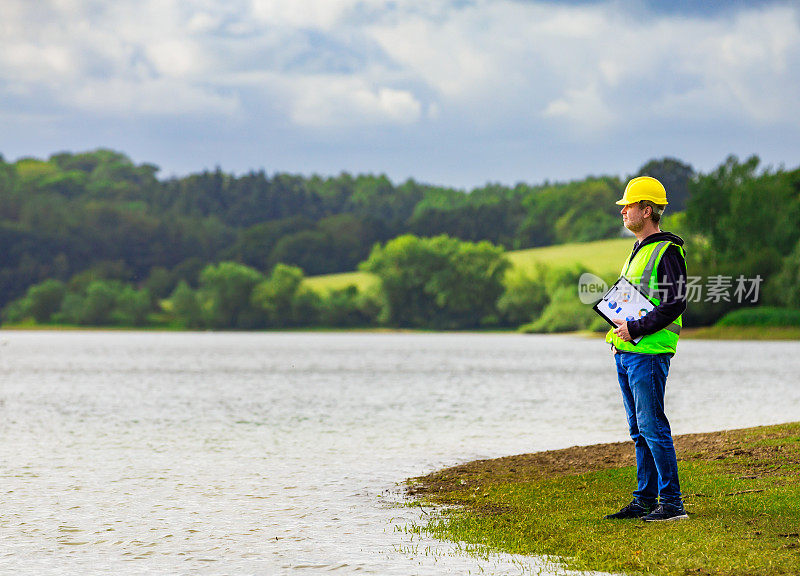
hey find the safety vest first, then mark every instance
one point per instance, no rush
(641, 271)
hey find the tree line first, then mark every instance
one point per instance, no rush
(101, 214)
(95, 239)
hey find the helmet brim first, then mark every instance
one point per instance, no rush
(623, 202)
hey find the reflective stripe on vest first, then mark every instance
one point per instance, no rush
(641, 270)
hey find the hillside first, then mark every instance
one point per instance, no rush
(603, 257)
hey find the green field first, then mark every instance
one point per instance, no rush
(603, 257)
(325, 282)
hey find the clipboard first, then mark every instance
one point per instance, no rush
(624, 302)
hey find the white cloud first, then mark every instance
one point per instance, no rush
(349, 63)
(746, 67)
(322, 14)
(131, 58)
(176, 58)
(156, 97)
(449, 55)
(35, 64)
(203, 22)
(326, 102)
(584, 110)
(599, 67)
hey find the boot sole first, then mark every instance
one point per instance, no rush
(679, 517)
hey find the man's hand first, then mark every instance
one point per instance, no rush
(622, 330)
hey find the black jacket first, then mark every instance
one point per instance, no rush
(671, 278)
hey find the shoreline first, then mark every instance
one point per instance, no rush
(729, 333)
(741, 488)
(582, 459)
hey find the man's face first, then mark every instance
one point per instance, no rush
(633, 217)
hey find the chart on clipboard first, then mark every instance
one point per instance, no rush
(624, 302)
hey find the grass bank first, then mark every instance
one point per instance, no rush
(741, 488)
(743, 333)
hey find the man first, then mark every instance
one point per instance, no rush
(657, 266)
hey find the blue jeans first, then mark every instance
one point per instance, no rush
(642, 379)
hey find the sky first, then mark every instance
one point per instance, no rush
(448, 92)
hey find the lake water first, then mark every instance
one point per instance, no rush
(272, 453)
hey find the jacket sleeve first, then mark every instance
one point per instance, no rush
(672, 287)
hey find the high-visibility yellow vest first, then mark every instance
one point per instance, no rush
(642, 271)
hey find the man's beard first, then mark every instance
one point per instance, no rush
(635, 226)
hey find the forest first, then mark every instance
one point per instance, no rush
(94, 239)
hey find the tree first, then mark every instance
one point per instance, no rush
(310, 250)
(185, 306)
(44, 300)
(350, 239)
(591, 215)
(275, 296)
(438, 282)
(675, 176)
(709, 206)
(565, 313)
(784, 287)
(254, 245)
(343, 307)
(39, 303)
(225, 291)
(71, 311)
(131, 307)
(160, 283)
(99, 303)
(524, 298)
(744, 223)
(578, 211)
(374, 197)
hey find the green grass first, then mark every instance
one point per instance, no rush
(742, 491)
(603, 257)
(743, 333)
(326, 282)
(762, 316)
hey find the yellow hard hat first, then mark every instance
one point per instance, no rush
(644, 188)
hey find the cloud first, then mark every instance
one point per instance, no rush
(125, 58)
(585, 109)
(153, 97)
(492, 74)
(320, 14)
(357, 61)
(327, 102)
(596, 67)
